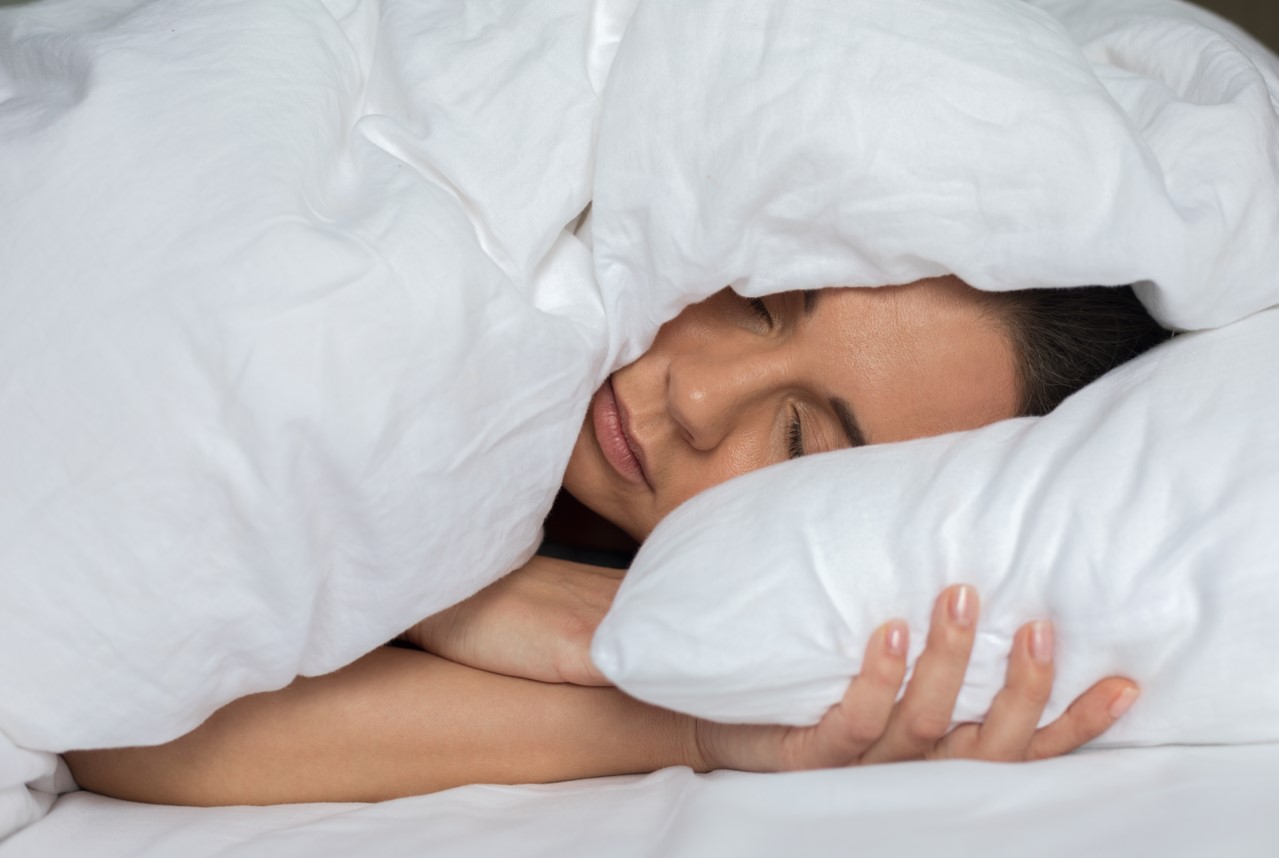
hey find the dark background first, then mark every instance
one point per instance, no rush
(1259, 17)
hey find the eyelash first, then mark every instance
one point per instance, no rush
(795, 431)
(761, 309)
(795, 437)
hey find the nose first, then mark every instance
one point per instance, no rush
(711, 395)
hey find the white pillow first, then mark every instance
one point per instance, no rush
(774, 146)
(292, 351)
(866, 143)
(1138, 517)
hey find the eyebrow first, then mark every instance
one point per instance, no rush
(848, 422)
(810, 300)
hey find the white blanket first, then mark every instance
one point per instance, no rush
(267, 289)
(295, 342)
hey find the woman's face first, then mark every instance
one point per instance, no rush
(731, 385)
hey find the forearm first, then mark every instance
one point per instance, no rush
(394, 723)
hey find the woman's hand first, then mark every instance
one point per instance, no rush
(535, 623)
(869, 726)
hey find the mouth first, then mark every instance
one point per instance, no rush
(612, 433)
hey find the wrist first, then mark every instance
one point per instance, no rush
(699, 744)
(676, 739)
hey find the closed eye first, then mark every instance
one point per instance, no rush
(795, 437)
(761, 309)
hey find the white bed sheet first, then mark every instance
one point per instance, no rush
(1167, 801)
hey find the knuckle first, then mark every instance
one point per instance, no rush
(1035, 694)
(1000, 755)
(1062, 743)
(926, 726)
(949, 637)
(955, 647)
(1084, 723)
(862, 732)
(960, 743)
(1068, 736)
(1039, 751)
(885, 677)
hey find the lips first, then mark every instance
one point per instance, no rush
(611, 432)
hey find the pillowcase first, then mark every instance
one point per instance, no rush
(1017, 145)
(1136, 517)
(292, 352)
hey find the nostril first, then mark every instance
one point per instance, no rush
(696, 423)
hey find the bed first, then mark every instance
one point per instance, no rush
(1185, 801)
(270, 269)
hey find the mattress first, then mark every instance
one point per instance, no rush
(1166, 801)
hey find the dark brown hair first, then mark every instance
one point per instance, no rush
(1066, 338)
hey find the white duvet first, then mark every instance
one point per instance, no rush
(287, 294)
(295, 338)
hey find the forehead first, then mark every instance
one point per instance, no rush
(922, 359)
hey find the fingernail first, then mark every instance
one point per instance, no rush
(1123, 702)
(895, 639)
(1041, 642)
(963, 605)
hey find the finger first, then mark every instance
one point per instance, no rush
(1014, 715)
(1092, 714)
(923, 716)
(859, 719)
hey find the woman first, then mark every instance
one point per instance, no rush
(504, 690)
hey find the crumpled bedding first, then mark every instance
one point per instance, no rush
(287, 295)
(295, 339)
(1066, 142)
(1171, 802)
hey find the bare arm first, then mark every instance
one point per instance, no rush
(400, 722)
(395, 723)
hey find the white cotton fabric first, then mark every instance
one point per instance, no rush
(1138, 517)
(1065, 142)
(775, 146)
(295, 340)
(294, 344)
(29, 783)
(1169, 802)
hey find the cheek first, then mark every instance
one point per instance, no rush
(745, 455)
(588, 476)
(575, 477)
(695, 473)
(590, 480)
